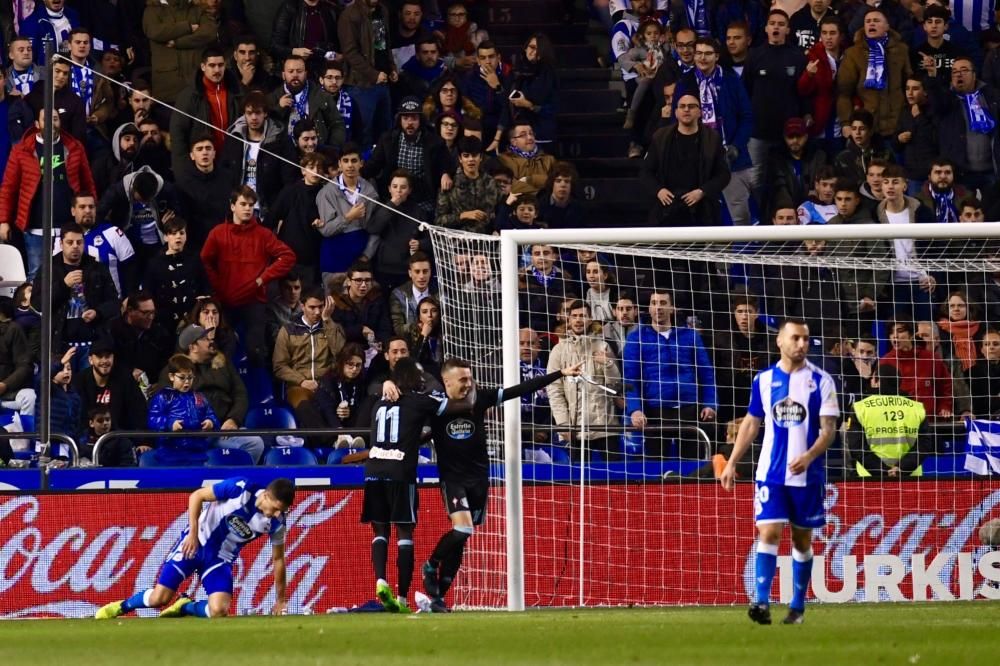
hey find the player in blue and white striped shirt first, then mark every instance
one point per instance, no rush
(797, 402)
(221, 520)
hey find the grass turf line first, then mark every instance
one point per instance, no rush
(926, 633)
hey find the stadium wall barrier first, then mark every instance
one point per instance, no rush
(65, 554)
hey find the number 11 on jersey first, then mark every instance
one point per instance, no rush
(390, 415)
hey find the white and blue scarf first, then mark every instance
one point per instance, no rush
(346, 107)
(83, 84)
(21, 81)
(542, 278)
(875, 77)
(978, 114)
(300, 107)
(697, 19)
(944, 206)
(708, 95)
(523, 153)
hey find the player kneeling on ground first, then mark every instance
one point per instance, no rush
(797, 401)
(237, 513)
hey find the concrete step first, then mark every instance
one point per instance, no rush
(589, 101)
(516, 34)
(527, 11)
(615, 190)
(598, 143)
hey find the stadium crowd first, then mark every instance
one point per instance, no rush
(199, 273)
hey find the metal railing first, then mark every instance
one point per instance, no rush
(65, 439)
(219, 434)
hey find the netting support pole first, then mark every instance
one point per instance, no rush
(582, 388)
(46, 353)
(512, 425)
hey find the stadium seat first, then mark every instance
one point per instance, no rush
(947, 465)
(229, 458)
(12, 273)
(337, 456)
(270, 415)
(322, 453)
(259, 383)
(290, 455)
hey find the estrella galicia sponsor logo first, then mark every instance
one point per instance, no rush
(788, 413)
(239, 527)
(461, 429)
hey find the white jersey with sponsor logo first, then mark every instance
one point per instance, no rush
(791, 406)
(233, 520)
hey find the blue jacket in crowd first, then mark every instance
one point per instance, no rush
(667, 372)
(190, 409)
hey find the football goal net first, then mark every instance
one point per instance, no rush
(605, 488)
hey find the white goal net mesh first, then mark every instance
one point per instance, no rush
(616, 515)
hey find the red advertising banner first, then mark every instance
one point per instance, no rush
(65, 555)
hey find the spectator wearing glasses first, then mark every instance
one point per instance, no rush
(725, 107)
(967, 113)
(142, 344)
(361, 310)
(332, 80)
(445, 97)
(685, 170)
(526, 160)
(534, 89)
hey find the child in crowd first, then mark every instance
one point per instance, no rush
(175, 277)
(646, 58)
(179, 407)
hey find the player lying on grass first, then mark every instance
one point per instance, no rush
(464, 465)
(236, 513)
(797, 402)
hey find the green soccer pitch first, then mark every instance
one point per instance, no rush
(927, 633)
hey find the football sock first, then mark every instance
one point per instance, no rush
(450, 540)
(196, 608)
(802, 566)
(453, 562)
(766, 563)
(404, 565)
(137, 600)
(380, 555)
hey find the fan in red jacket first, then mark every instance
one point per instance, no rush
(922, 374)
(818, 80)
(241, 257)
(23, 176)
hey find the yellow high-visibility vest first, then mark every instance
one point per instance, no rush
(891, 424)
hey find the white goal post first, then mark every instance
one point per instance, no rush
(511, 244)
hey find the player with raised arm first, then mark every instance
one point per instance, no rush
(390, 495)
(464, 466)
(797, 401)
(222, 519)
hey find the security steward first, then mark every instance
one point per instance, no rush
(888, 432)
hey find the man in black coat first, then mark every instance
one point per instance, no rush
(114, 389)
(685, 170)
(417, 149)
(84, 297)
(201, 183)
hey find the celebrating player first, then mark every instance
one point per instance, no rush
(798, 403)
(390, 496)
(236, 514)
(463, 465)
